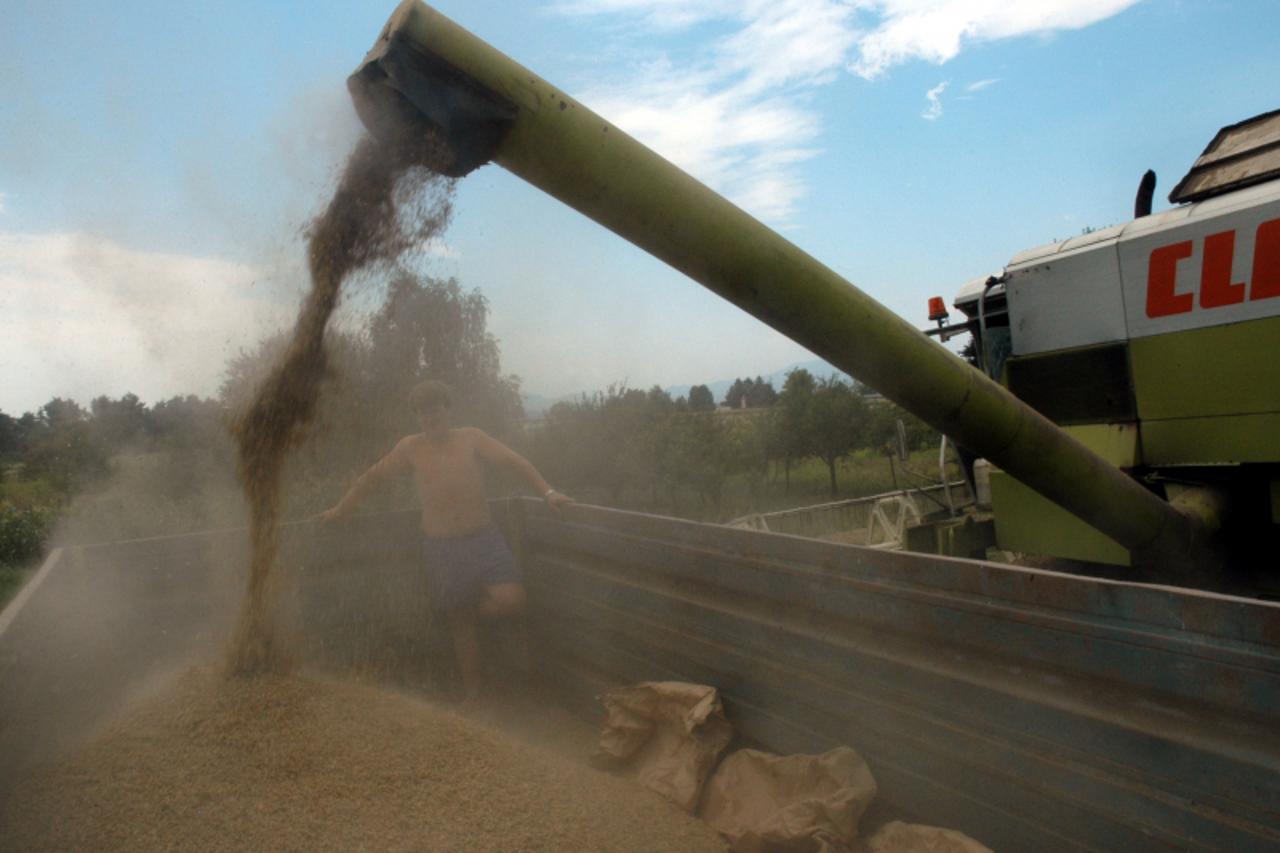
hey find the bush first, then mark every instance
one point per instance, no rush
(15, 491)
(23, 531)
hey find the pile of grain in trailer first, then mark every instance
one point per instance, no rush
(300, 762)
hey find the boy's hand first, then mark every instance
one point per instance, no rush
(555, 500)
(329, 516)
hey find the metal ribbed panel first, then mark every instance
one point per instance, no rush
(1029, 709)
(1032, 710)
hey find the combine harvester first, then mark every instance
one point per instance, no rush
(1031, 709)
(1113, 364)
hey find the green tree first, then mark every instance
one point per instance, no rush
(589, 439)
(736, 395)
(750, 394)
(63, 448)
(632, 422)
(882, 429)
(29, 428)
(749, 449)
(788, 432)
(423, 328)
(120, 423)
(761, 394)
(433, 329)
(610, 441)
(10, 440)
(187, 422)
(701, 399)
(59, 413)
(17, 436)
(695, 456)
(836, 422)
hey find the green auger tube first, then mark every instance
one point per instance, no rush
(426, 70)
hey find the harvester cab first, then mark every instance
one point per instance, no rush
(1153, 343)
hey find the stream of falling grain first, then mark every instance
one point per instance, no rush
(388, 202)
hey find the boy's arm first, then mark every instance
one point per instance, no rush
(496, 453)
(394, 461)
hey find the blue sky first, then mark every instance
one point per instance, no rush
(158, 160)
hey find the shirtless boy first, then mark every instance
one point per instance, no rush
(473, 574)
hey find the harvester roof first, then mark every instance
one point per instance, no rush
(1240, 155)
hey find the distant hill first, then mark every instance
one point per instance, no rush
(819, 368)
(536, 405)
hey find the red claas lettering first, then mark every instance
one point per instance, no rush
(1216, 272)
(1216, 288)
(1162, 279)
(1266, 262)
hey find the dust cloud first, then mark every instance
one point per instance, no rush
(248, 753)
(111, 625)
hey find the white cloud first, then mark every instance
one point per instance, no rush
(744, 147)
(933, 112)
(738, 116)
(661, 14)
(82, 316)
(1, 203)
(979, 85)
(789, 41)
(937, 30)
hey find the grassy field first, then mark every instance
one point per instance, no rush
(149, 495)
(857, 475)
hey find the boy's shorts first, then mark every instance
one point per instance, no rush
(459, 568)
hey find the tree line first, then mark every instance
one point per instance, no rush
(68, 446)
(622, 446)
(745, 393)
(424, 328)
(120, 468)
(630, 446)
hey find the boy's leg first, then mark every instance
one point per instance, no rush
(491, 581)
(506, 632)
(502, 599)
(466, 649)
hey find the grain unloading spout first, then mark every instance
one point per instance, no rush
(399, 87)
(427, 71)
